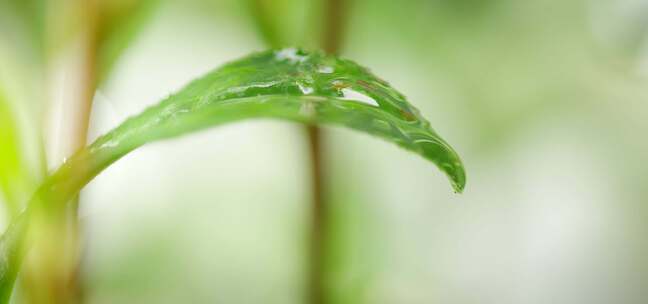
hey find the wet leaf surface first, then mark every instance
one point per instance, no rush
(287, 84)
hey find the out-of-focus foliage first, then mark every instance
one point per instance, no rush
(21, 80)
(14, 183)
(620, 27)
(45, 26)
(119, 23)
(22, 22)
(32, 32)
(36, 40)
(21, 50)
(286, 22)
(13, 176)
(109, 25)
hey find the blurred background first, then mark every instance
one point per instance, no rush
(545, 100)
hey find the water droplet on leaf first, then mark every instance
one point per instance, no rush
(290, 54)
(325, 69)
(350, 94)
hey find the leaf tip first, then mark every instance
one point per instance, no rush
(458, 180)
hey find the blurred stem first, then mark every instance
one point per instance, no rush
(75, 292)
(334, 23)
(330, 41)
(54, 275)
(319, 221)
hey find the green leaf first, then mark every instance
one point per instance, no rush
(287, 84)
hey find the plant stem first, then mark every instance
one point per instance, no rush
(75, 292)
(334, 25)
(55, 278)
(319, 221)
(334, 22)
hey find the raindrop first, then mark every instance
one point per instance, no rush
(305, 89)
(350, 94)
(290, 54)
(325, 69)
(242, 89)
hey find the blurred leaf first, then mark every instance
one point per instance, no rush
(11, 255)
(266, 25)
(12, 172)
(285, 22)
(107, 26)
(287, 84)
(21, 45)
(25, 17)
(11, 176)
(119, 23)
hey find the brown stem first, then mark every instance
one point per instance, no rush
(334, 24)
(54, 274)
(319, 221)
(74, 293)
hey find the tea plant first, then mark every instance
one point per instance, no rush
(304, 86)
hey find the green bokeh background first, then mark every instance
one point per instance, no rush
(545, 100)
